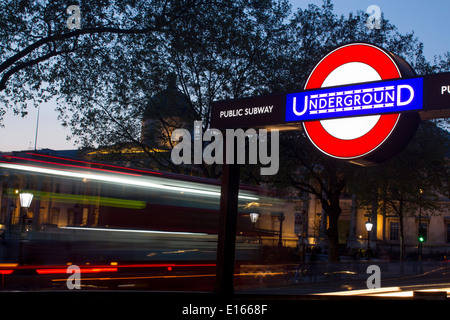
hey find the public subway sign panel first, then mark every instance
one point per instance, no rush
(356, 100)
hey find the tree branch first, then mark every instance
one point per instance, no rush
(27, 64)
(64, 36)
(161, 23)
(15, 58)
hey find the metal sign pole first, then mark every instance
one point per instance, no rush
(226, 242)
(227, 230)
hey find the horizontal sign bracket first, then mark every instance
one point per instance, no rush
(429, 95)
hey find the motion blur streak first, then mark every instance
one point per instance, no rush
(102, 201)
(100, 268)
(135, 230)
(406, 291)
(252, 274)
(164, 265)
(94, 163)
(8, 265)
(70, 165)
(360, 292)
(82, 270)
(142, 182)
(6, 271)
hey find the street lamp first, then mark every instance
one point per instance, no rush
(254, 217)
(25, 199)
(25, 202)
(369, 226)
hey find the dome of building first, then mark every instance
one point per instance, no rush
(169, 103)
(166, 111)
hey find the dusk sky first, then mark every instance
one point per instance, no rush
(428, 19)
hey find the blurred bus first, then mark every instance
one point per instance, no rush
(95, 214)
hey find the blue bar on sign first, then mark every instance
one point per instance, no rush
(390, 96)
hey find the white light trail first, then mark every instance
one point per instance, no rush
(138, 182)
(137, 231)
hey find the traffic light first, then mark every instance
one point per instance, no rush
(422, 235)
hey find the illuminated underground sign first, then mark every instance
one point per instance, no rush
(360, 104)
(356, 100)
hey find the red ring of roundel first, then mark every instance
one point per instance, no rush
(386, 68)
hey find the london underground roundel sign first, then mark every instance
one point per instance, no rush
(363, 139)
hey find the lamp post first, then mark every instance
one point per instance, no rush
(281, 218)
(254, 216)
(25, 202)
(420, 231)
(369, 226)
